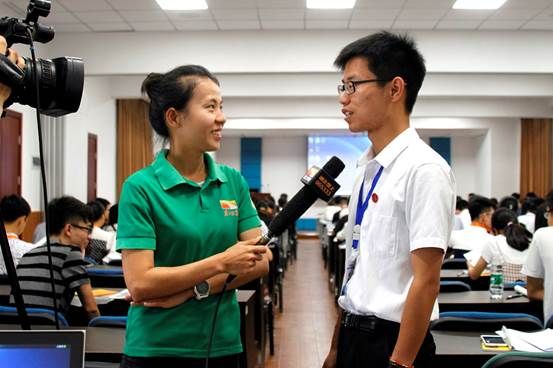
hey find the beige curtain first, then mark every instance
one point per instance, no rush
(134, 138)
(535, 156)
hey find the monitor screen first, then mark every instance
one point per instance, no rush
(347, 148)
(45, 349)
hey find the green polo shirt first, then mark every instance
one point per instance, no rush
(183, 222)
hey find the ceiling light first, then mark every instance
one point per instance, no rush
(330, 4)
(478, 4)
(182, 4)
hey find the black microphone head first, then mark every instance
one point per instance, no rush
(334, 167)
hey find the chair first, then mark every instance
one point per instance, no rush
(108, 321)
(485, 321)
(519, 359)
(454, 264)
(37, 316)
(454, 286)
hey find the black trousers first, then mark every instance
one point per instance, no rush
(230, 361)
(368, 342)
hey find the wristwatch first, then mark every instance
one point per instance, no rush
(201, 291)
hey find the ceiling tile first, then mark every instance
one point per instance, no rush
(238, 24)
(461, 14)
(538, 25)
(71, 27)
(415, 24)
(502, 24)
(371, 24)
(326, 24)
(379, 4)
(110, 27)
(428, 4)
(274, 14)
(153, 26)
(7, 11)
(375, 14)
(189, 15)
(143, 15)
(527, 4)
(60, 17)
(282, 24)
(82, 5)
(331, 14)
(458, 24)
(195, 25)
(422, 14)
(226, 4)
(546, 15)
(276, 4)
(99, 17)
(133, 4)
(235, 14)
(514, 14)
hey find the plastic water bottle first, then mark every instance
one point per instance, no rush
(496, 280)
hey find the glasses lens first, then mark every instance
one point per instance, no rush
(350, 87)
(341, 89)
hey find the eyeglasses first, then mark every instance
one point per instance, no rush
(88, 229)
(349, 86)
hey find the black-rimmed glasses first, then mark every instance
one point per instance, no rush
(349, 86)
(88, 229)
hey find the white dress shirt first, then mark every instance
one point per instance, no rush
(414, 207)
(18, 248)
(471, 238)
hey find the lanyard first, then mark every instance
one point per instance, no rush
(362, 207)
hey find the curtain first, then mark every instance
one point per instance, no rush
(134, 138)
(535, 156)
(53, 137)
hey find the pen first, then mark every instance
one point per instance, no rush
(514, 296)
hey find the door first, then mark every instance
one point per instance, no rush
(92, 166)
(10, 154)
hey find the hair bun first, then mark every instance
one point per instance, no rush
(150, 83)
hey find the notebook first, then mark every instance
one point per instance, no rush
(44, 349)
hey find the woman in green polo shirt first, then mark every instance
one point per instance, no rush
(185, 223)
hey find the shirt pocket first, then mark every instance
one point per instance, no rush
(383, 236)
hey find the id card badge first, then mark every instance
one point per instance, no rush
(350, 267)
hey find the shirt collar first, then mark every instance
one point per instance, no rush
(391, 151)
(169, 176)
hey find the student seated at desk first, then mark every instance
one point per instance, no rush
(69, 229)
(510, 246)
(15, 211)
(102, 242)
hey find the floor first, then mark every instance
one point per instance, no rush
(304, 330)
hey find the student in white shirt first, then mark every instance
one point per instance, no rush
(478, 233)
(393, 273)
(15, 211)
(509, 247)
(539, 264)
(101, 241)
(528, 212)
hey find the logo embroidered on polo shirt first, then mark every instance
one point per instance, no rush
(229, 207)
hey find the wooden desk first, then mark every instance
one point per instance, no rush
(480, 301)
(456, 349)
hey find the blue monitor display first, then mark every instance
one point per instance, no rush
(347, 148)
(32, 356)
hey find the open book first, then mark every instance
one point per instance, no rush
(540, 341)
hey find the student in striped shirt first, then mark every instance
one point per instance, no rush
(69, 229)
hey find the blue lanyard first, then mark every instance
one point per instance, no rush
(362, 205)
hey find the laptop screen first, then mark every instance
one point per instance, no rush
(45, 349)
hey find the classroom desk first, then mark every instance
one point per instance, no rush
(479, 300)
(459, 349)
(482, 283)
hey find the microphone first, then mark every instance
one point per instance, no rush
(319, 183)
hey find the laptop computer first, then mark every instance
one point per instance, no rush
(44, 349)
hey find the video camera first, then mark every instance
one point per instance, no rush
(60, 80)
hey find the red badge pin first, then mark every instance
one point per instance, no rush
(374, 197)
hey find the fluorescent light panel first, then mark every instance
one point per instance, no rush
(182, 4)
(330, 4)
(478, 4)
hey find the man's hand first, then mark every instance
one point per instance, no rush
(14, 57)
(165, 302)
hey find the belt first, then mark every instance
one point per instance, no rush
(370, 323)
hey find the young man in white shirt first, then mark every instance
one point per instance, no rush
(15, 211)
(539, 264)
(395, 246)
